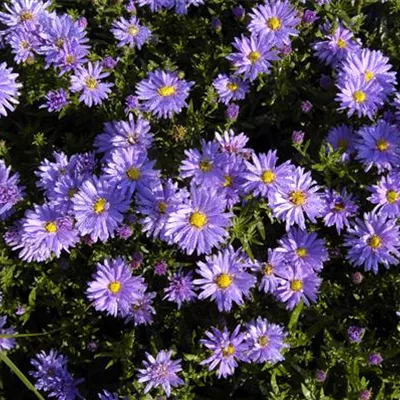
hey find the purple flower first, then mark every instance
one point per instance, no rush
(298, 137)
(6, 343)
(24, 45)
(355, 333)
(107, 396)
(309, 16)
(253, 56)
(231, 143)
(378, 145)
(239, 12)
(357, 278)
(180, 289)
(98, 208)
(230, 88)
(375, 359)
(386, 195)
(88, 81)
(372, 241)
(56, 100)
(365, 395)
(276, 19)
(142, 309)
(23, 12)
(232, 111)
(124, 232)
(341, 137)
(64, 190)
(163, 93)
(160, 371)
(161, 268)
(132, 104)
(109, 62)
(130, 32)
(265, 341)
(9, 92)
(298, 197)
(113, 288)
(227, 349)
(224, 279)
(216, 24)
(297, 285)
(200, 223)
(320, 376)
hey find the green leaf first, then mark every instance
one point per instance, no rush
(295, 315)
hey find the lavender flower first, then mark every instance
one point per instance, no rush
(180, 289)
(6, 343)
(355, 333)
(230, 88)
(386, 195)
(130, 32)
(9, 89)
(56, 100)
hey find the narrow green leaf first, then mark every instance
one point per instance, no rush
(295, 315)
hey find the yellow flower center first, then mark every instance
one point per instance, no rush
(382, 144)
(198, 220)
(91, 83)
(343, 143)
(369, 75)
(100, 205)
(166, 91)
(254, 56)
(268, 176)
(25, 45)
(268, 269)
(232, 86)
(162, 207)
(70, 59)
(26, 16)
(274, 23)
(392, 196)
(359, 96)
(115, 287)
(375, 242)
(72, 192)
(342, 44)
(298, 198)
(133, 30)
(302, 252)
(228, 181)
(339, 206)
(228, 350)
(51, 227)
(263, 341)
(224, 281)
(133, 173)
(296, 285)
(206, 166)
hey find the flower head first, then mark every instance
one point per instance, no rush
(341, 137)
(9, 89)
(386, 195)
(130, 32)
(230, 88)
(6, 343)
(56, 100)
(180, 289)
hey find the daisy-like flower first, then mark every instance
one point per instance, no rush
(263, 176)
(24, 44)
(372, 241)
(200, 223)
(98, 208)
(265, 341)
(232, 143)
(113, 288)
(160, 371)
(205, 166)
(378, 145)
(83, 164)
(227, 349)
(276, 19)
(303, 249)
(6, 343)
(11, 192)
(156, 5)
(386, 195)
(297, 285)
(130, 169)
(180, 289)
(230, 88)
(130, 32)
(9, 89)
(338, 208)
(56, 100)
(341, 137)
(163, 93)
(88, 81)
(360, 97)
(253, 56)
(224, 279)
(142, 310)
(291, 201)
(133, 133)
(337, 44)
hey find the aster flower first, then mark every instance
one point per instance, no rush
(88, 81)
(276, 19)
(297, 285)
(71, 57)
(162, 93)
(205, 166)
(11, 192)
(378, 145)
(304, 250)
(56, 100)
(341, 137)
(253, 56)
(131, 103)
(106, 395)
(230, 88)
(65, 189)
(134, 133)
(386, 195)
(113, 288)
(6, 343)
(156, 5)
(265, 341)
(263, 176)
(232, 111)
(338, 208)
(375, 359)
(355, 333)
(82, 165)
(224, 279)
(160, 371)
(291, 201)
(142, 310)
(232, 143)
(130, 169)
(227, 349)
(360, 97)
(372, 241)
(23, 44)
(200, 223)
(9, 89)
(130, 32)
(98, 208)
(180, 289)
